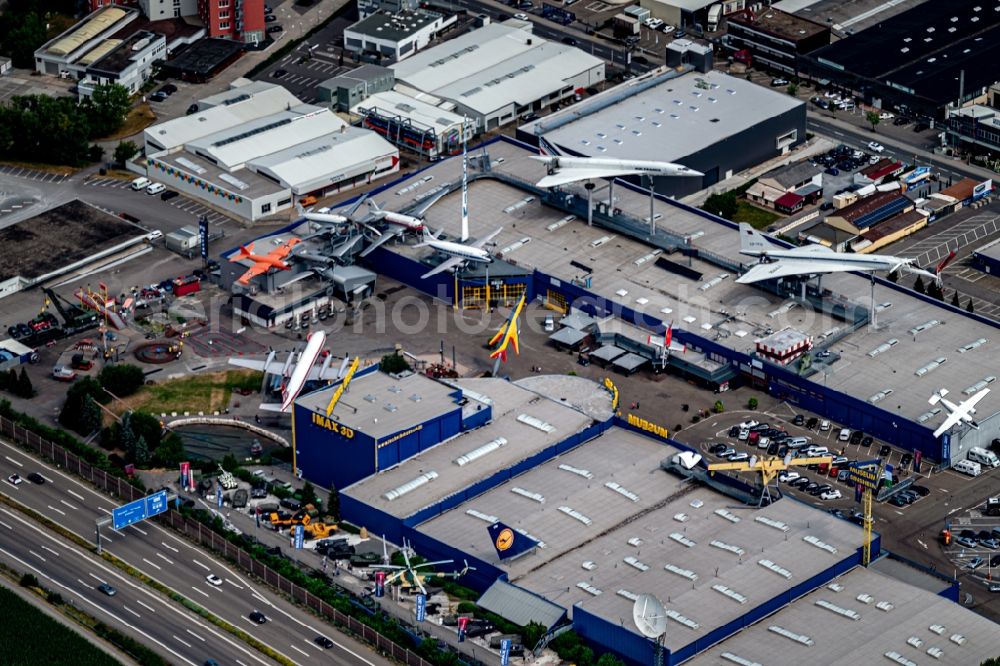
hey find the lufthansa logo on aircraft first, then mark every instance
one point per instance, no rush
(505, 539)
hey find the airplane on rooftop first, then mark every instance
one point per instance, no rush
(264, 263)
(778, 262)
(563, 170)
(960, 413)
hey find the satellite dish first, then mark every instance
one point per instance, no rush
(649, 616)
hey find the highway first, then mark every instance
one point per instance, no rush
(178, 564)
(62, 566)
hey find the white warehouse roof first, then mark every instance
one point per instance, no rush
(234, 146)
(256, 104)
(308, 165)
(493, 66)
(421, 112)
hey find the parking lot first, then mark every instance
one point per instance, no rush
(194, 208)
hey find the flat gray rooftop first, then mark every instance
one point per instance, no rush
(855, 15)
(522, 441)
(917, 622)
(667, 122)
(601, 539)
(727, 312)
(380, 405)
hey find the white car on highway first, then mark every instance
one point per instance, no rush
(213, 579)
(521, 17)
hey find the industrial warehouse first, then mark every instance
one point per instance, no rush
(255, 150)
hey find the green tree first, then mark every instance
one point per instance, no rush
(25, 32)
(893, 277)
(531, 634)
(124, 151)
(126, 438)
(723, 205)
(141, 454)
(969, 307)
(792, 89)
(718, 407)
(73, 409)
(89, 416)
(873, 119)
(308, 493)
(24, 387)
(148, 427)
(229, 462)
(393, 363)
(108, 105)
(954, 299)
(752, 403)
(333, 502)
(122, 380)
(918, 286)
(170, 452)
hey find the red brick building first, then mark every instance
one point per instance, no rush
(241, 20)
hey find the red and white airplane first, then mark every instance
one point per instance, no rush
(666, 345)
(296, 370)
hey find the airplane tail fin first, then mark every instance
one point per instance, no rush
(936, 397)
(508, 542)
(374, 206)
(246, 251)
(752, 241)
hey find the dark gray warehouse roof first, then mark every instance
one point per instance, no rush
(520, 606)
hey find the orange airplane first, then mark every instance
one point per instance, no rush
(262, 264)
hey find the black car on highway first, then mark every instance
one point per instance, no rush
(257, 617)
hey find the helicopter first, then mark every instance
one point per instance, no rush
(410, 575)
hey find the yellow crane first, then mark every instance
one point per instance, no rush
(769, 467)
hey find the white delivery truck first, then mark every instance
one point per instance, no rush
(984, 457)
(714, 15)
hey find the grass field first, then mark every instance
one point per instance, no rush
(206, 392)
(29, 636)
(139, 118)
(758, 218)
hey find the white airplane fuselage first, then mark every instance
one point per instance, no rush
(301, 371)
(460, 250)
(637, 166)
(864, 262)
(409, 222)
(327, 218)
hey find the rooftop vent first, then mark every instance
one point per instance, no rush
(980, 385)
(427, 477)
(884, 347)
(914, 641)
(677, 617)
(881, 395)
(929, 415)
(899, 659)
(813, 541)
(969, 347)
(768, 564)
(588, 565)
(736, 659)
(732, 594)
(576, 470)
(791, 635)
(935, 652)
(474, 454)
(728, 515)
(536, 423)
(933, 365)
(884, 606)
(587, 587)
(721, 545)
(846, 612)
(865, 598)
(631, 596)
(389, 407)
(536, 497)
(635, 541)
(572, 513)
(415, 398)
(937, 629)
(836, 587)
(683, 573)
(621, 491)
(636, 564)
(923, 327)
(681, 539)
(957, 639)
(770, 522)
(485, 517)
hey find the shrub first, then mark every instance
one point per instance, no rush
(29, 580)
(752, 403)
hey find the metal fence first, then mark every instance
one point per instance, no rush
(205, 536)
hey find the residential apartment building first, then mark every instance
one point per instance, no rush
(240, 20)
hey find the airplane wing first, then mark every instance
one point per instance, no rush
(811, 248)
(487, 238)
(789, 267)
(565, 176)
(974, 400)
(270, 406)
(248, 363)
(346, 246)
(379, 242)
(445, 265)
(425, 206)
(252, 272)
(952, 419)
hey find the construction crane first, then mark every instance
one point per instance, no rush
(769, 467)
(77, 319)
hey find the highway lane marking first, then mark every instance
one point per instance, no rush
(72, 506)
(152, 564)
(76, 495)
(59, 511)
(48, 479)
(165, 545)
(14, 461)
(195, 635)
(201, 565)
(238, 587)
(96, 577)
(105, 510)
(54, 552)
(146, 606)
(142, 532)
(181, 641)
(200, 591)
(37, 555)
(164, 558)
(923, 545)
(130, 610)
(303, 652)
(80, 580)
(260, 598)
(6, 525)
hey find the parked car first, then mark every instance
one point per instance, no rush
(749, 423)
(744, 435)
(832, 171)
(832, 494)
(884, 451)
(192, 109)
(716, 449)
(156, 188)
(787, 476)
(921, 126)
(521, 17)
(867, 441)
(975, 563)
(168, 195)
(739, 457)
(772, 449)
(799, 419)
(812, 423)
(810, 487)
(734, 431)
(167, 89)
(876, 147)
(270, 18)
(777, 83)
(158, 97)
(801, 482)
(923, 491)
(727, 453)
(271, 29)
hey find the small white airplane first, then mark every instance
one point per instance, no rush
(563, 170)
(459, 252)
(778, 262)
(960, 413)
(324, 217)
(296, 370)
(403, 222)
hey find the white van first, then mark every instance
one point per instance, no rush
(796, 442)
(845, 434)
(984, 457)
(141, 183)
(968, 467)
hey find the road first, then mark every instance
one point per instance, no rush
(181, 566)
(62, 566)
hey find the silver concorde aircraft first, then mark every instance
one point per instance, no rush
(563, 170)
(778, 262)
(960, 413)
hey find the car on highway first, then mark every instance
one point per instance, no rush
(521, 17)
(876, 147)
(107, 589)
(15, 479)
(257, 617)
(323, 642)
(213, 579)
(36, 478)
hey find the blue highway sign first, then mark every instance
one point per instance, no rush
(140, 509)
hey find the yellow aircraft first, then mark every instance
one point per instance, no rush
(507, 335)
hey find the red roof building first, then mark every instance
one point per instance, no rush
(789, 203)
